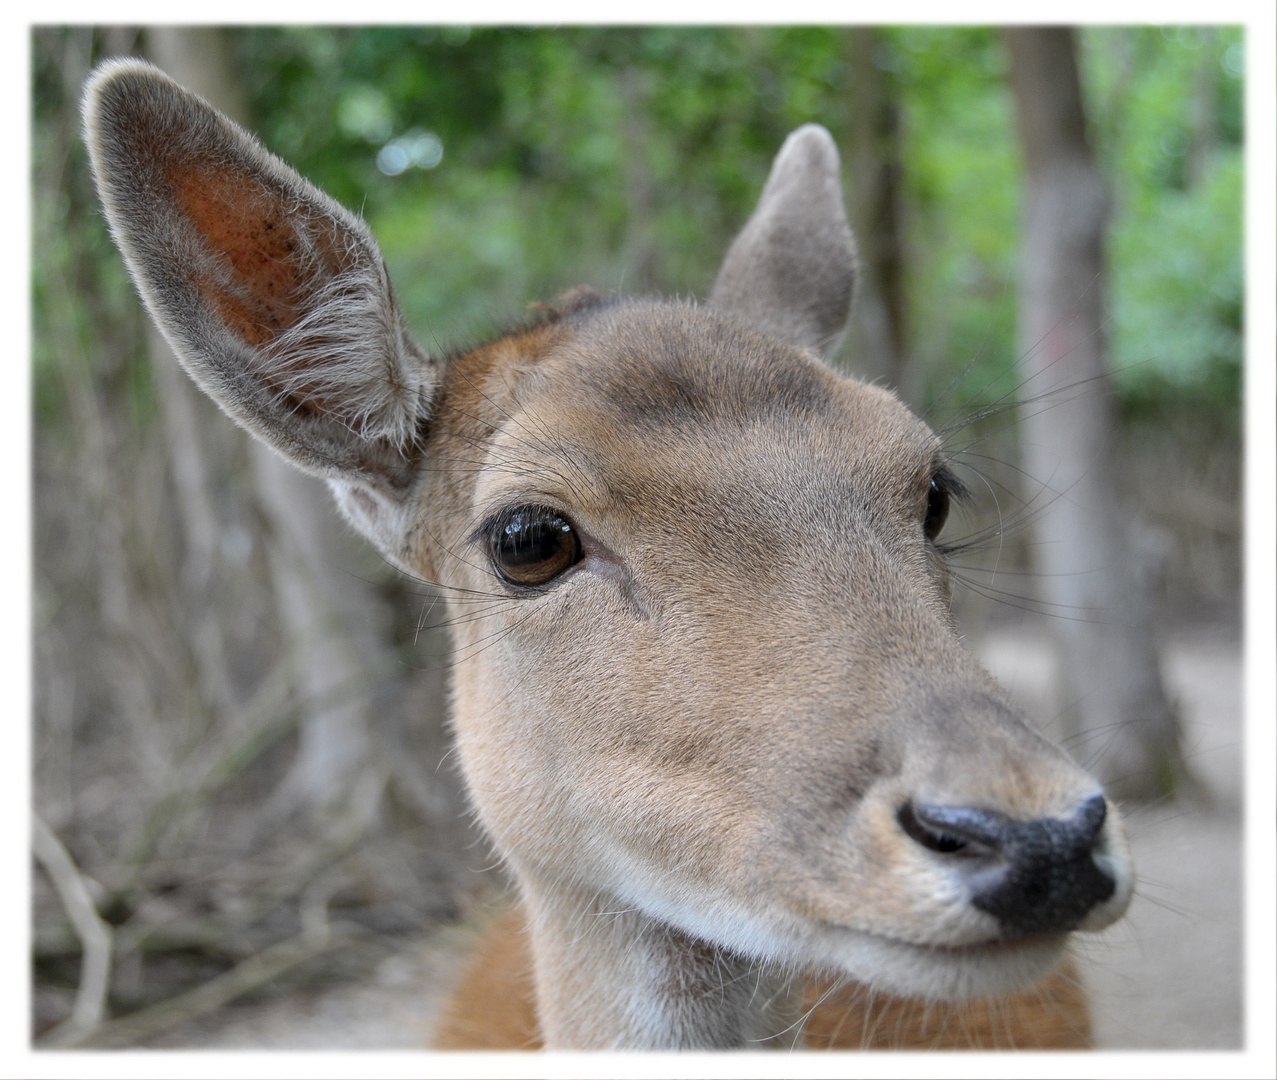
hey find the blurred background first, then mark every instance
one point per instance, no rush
(242, 788)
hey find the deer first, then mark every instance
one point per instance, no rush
(708, 697)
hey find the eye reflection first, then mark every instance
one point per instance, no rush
(532, 545)
(937, 507)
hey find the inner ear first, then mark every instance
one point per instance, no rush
(791, 271)
(285, 280)
(273, 261)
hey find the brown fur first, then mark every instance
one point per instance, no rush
(1051, 1015)
(494, 1004)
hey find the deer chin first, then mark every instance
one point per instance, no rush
(970, 963)
(968, 959)
(946, 972)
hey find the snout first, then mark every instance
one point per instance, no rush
(981, 901)
(1041, 876)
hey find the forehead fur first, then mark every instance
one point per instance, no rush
(633, 381)
(675, 365)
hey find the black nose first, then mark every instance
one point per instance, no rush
(1032, 876)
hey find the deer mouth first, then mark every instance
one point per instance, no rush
(1002, 946)
(951, 972)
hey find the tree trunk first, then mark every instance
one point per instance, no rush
(1118, 717)
(1203, 134)
(876, 343)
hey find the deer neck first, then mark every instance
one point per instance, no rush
(608, 976)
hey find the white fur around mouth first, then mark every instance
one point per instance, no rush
(948, 972)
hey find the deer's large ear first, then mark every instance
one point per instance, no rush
(274, 298)
(792, 269)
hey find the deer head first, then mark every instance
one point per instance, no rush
(709, 701)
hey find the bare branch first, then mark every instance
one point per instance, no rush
(94, 933)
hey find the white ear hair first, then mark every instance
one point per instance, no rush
(791, 271)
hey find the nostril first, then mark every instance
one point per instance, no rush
(932, 839)
(950, 829)
(1089, 821)
(937, 831)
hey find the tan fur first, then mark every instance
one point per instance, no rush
(732, 738)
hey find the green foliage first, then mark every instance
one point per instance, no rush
(961, 188)
(1166, 107)
(1178, 319)
(517, 162)
(1165, 110)
(614, 156)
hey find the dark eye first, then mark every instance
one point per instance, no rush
(937, 507)
(532, 545)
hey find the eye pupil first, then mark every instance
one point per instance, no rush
(937, 509)
(533, 545)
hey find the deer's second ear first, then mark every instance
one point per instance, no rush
(274, 298)
(791, 271)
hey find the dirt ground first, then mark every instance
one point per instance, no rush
(1167, 977)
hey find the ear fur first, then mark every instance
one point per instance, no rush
(791, 271)
(274, 298)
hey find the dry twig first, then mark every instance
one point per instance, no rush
(94, 934)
